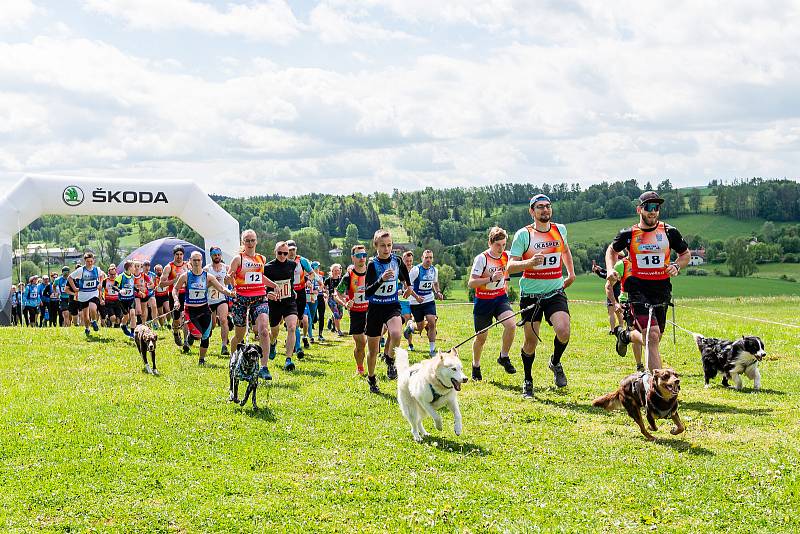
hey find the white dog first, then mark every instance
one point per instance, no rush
(427, 386)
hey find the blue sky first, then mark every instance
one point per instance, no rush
(249, 97)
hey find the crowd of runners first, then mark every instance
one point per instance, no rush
(388, 297)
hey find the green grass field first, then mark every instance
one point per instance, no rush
(776, 270)
(90, 443)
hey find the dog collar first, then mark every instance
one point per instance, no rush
(436, 396)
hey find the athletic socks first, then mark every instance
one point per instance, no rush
(527, 364)
(433, 346)
(558, 350)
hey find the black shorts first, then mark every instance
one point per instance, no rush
(176, 314)
(358, 323)
(124, 306)
(217, 305)
(546, 307)
(420, 311)
(380, 314)
(281, 309)
(200, 316)
(73, 307)
(63, 305)
(640, 301)
(111, 308)
(486, 311)
(84, 305)
(161, 299)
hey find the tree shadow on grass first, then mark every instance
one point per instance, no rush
(505, 387)
(308, 372)
(271, 384)
(708, 407)
(212, 365)
(681, 445)
(456, 447)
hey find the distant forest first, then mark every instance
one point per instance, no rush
(452, 221)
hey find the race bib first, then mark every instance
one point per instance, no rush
(252, 277)
(126, 292)
(551, 261)
(34, 294)
(89, 284)
(197, 294)
(360, 297)
(426, 285)
(495, 285)
(283, 289)
(650, 261)
(214, 293)
(386, 289)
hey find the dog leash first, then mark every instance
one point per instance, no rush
(497, 322)
(157, 317)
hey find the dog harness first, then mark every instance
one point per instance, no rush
(436, 396)
(643, 388)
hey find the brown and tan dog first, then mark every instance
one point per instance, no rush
(657, 393)
(145, 340)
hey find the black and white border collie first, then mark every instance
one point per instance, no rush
(732, 359)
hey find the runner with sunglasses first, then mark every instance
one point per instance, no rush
(649, 244)
(351, 297)
(217, 300)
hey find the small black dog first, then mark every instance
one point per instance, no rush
(731, 358)
(145, 340)
(244, 365)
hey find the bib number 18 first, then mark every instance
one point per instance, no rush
(650, 261)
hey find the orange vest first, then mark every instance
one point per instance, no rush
(249, 279)
(355, 291)
(626, 272)
(549, 243)
(649, 253)
(174, 272)
(493, 289)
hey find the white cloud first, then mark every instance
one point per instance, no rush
(271, 21)
(584, 94)
(16, 13)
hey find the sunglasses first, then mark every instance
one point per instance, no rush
(360, 255)
(282, 253)
(543, 207)
(651, 207)
(250, 240)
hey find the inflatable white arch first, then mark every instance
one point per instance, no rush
(37, 195)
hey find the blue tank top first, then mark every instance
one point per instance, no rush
(196, 289)
(387, 292)
(423, 285)
(61, 282)
(88, 281)
(126, 288)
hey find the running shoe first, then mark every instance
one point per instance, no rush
(527, 389)
(186, 348)
(264, 374)
(558, 374)
(432, 353)
(190, 340)
(300, 354)
(305, 341)
(623, 338)
(86, 331)
(289, 365)
(506, 364)
(639, 367)
(330, 325)
(147, 369)
(272, 350)
(95, 327)
(201, 361)
(224, 351)
(125, 330)
(320, 338)
(155, 371)
(373, 384)
(340, 333)
(407, 331)
(391, 369)
(476, 373)
(410, 347)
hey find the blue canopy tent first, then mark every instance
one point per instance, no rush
(160, 251)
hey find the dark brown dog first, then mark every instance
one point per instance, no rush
(145, 340)
(657, 393)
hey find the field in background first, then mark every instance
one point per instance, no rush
(89, 442)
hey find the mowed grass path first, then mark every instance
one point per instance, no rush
(90, 443)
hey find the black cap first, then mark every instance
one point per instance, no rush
(650, 196)
(291, 244)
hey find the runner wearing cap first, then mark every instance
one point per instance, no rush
(350, 295)
(283, 302)
(540, 251)
(171, 272)
(218, 301)
(649, 244)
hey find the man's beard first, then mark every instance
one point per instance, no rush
(216, 261)
(543, 218)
